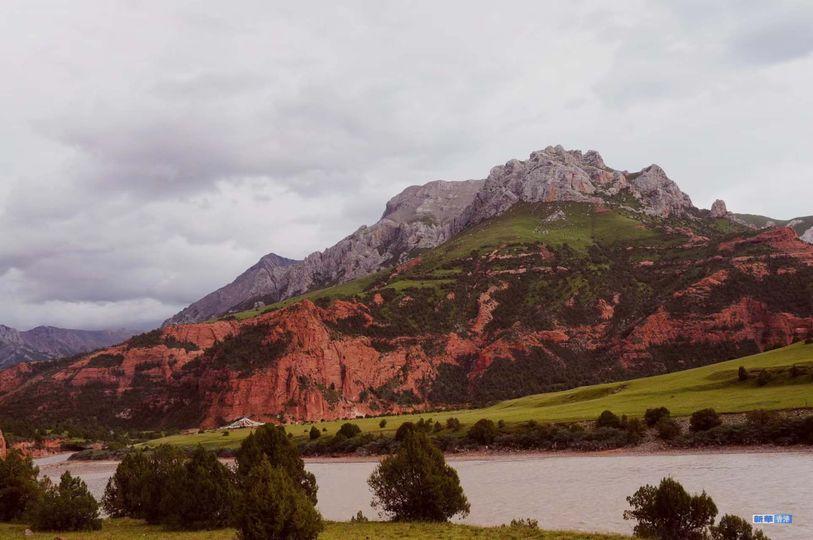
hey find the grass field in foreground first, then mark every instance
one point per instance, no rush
(120, 529)
(683, 392)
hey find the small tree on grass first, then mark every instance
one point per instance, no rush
(452, 424)
(274, 507)
(483, 431)
(667, 428)
(416, 484)
(18, 485)
(668, 512)
(383, 423)
(736, 528)
(271, 442)
(348, 430)
(742, 373)
(704, 419)
(652, 416)
(314, 433)
(403, 429)
(68, 506)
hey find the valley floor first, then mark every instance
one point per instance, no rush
(119, 529)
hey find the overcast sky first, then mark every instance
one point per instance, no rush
(151, 151)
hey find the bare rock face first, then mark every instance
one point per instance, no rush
(718, 209)
(807, 236)
(2, 446)
(428, 215)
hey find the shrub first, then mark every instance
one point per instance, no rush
(704, 419)
(383, 423)
(348, 430)
(667, 428)
(652, 416)
(66, 507)
(359, 518)
(608, 419)
(742, 374)
(761, 418)
(668, 512)
(314, 433)
(764, 377)
(735, 528)
(438, 427)
(200, 494)
(403, 429)
(452, 424)
(271, 442)
(18, 485)
(416, 484)
(526, 523)
(273, 506)
(483, 431)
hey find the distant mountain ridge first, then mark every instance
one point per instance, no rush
(49, 342)
(423, 217)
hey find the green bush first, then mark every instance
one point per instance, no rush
(667, 428)
(668, 512)
(18, 485)
(453, 424)
(742, 374)
(348, 430)
(273, 506)
(735, 528)
(704, 419)
(272, 443)
(608, 419)
(483, 431)
(415, 484)
(314, 433)
(383, 423)
(200, 494)
(68, 506)
(403, 429)
(652, 416)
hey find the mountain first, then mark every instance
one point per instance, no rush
(426, 216)
(48, 342)
(802, 226)
(558, 272)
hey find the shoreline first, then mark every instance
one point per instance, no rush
(503, 455)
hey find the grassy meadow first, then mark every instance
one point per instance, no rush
(683, 392)
(121, 529)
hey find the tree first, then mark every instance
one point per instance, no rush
(668, 512)
(652, 416)
(273, 506)
(66, 507)
(742, 373)
(348, 430)
(483, 431)
(416, 484)
(314, 433)
(138, 487)
(18, 485)
(608, 419)
(452, 424)
(704, 419)
(735, 528)
(271, 442)
(383, 423)
(200, 494)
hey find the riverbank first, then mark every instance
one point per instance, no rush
(121, 529)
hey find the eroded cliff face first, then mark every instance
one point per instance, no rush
(448, 329)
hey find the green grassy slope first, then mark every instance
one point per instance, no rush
(121, 529)
(683, 392)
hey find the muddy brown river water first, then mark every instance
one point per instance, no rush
(585, 493)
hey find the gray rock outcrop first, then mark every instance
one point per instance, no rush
(718, 209)
(48, 343)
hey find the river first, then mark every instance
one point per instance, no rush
(577, 492)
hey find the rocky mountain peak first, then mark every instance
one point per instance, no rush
(718, 209)
(435, 202)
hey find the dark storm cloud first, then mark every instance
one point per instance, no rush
(152, 151)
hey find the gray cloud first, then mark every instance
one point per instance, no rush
(152, 151)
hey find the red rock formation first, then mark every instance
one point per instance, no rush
(2, 446)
